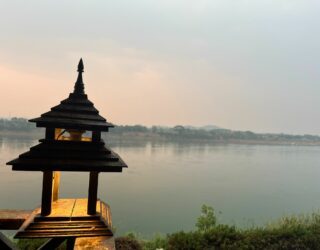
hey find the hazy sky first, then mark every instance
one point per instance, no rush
(239, 64)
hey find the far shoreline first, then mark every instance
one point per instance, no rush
(149, 137)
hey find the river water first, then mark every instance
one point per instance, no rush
(167, 182)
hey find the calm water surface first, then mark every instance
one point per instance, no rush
(166, 183)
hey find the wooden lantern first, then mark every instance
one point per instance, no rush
(65, 148)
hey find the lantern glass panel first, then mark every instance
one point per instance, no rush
(72, 135)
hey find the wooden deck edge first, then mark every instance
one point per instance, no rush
(13, 219)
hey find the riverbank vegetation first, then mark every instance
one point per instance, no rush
(292, 232)
(21, 126)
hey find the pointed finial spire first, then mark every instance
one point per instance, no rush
(79, 86)
(80, 66)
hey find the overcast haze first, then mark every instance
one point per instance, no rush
(245, 65)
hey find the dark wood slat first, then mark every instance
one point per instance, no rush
(88, 112)
(62, 233)
(75, 149)
(43, 150)
(59, 223)
(75, 143)
(65, 227)
(67, 122)
(58, 163)
(77, 101)
(71, 148)
(57, 219)
(68, 155)
(73, 115)
(64, 230)
(12, 219)
(41, 165)
(67, 165)
(69, 168)
(62, 223)
(67, 223)
(75, 108)
(28, 234)
(72, 123)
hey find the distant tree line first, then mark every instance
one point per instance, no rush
(16, 124)
(178, 132)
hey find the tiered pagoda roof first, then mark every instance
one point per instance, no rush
(76, 112)
(69, 156)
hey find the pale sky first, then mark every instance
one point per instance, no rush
(238, 64)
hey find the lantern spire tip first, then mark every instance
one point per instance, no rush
(79, 86)
(80, 65)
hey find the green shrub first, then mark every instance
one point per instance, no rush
(127, 243)
(207, 219)
(186, 241)
(291, 232)
(157, 242)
